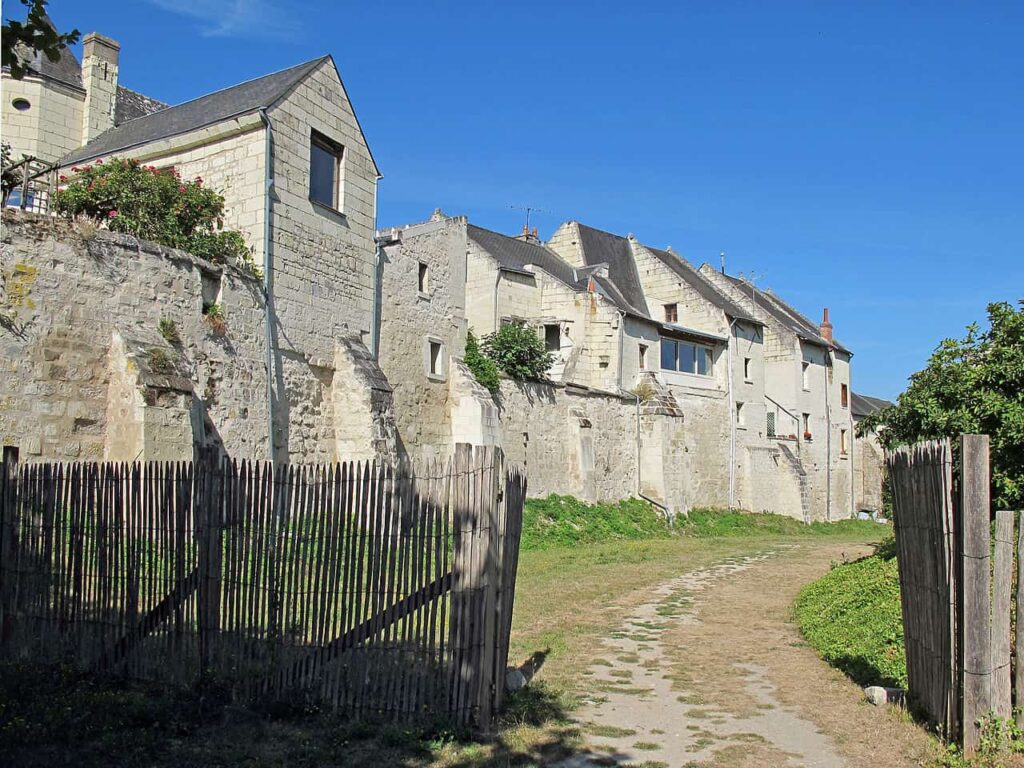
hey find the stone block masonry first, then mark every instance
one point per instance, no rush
(105, 352)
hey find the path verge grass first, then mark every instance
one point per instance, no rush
(852, 618)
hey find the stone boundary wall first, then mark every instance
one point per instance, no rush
(571, 440)
(80, 347)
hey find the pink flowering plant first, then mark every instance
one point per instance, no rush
(154, 204)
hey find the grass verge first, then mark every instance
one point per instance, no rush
(852, 618)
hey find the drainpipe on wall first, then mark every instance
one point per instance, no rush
(732, 418)
(268, 277)
(377, 266)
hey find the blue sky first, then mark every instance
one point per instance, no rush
(865, 156)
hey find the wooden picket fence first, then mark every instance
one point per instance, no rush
(956, 587)
(361, 586)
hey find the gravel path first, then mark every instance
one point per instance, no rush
(710, 671)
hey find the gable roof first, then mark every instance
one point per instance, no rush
(601, 247)
(514, 254)
(702, 285)
(786, 315)
(862, 405)
(206, 110)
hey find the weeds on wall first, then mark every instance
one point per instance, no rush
(169, 330)
(484, 370)
(154, 204)
(160, 360)
(214, 316)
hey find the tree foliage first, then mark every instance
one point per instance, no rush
(972, 385)
(518, 352)
(482, 367)
(156, 205)
(34, 34)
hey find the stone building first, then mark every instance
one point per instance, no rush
(868, 457)
(287, 153)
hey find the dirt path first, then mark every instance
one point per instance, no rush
(711, 671)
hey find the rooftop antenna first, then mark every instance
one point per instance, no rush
(750, 278)
(529, 210)
(722, 256)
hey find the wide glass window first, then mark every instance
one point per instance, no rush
(687, 357)
(668, 355)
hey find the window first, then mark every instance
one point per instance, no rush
(325, 171)
(770, 424)
(807, 424)
(747, 373)
(739, 414)
(671, 313)
(21, 105)
(435, 359)
(423, 284)
(643, 357)
(552, 337)
(805, 374)
(844, 395)
(842, 441)
(685, 357)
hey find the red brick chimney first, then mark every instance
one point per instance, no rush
(826, 327)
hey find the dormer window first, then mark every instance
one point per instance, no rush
(325, 166)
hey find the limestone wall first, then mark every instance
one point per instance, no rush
(571, 440)
(70, 392)
(52, 124)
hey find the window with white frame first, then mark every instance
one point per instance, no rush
(842, 442)
(748, 374)
(435, 359)
(686, 357)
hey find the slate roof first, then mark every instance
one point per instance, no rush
(129, 104)
(702, 285)
(862, 405)
(514, 254)
(206, 110)
(787, 315)
(604, 247)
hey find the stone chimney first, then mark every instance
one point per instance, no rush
(99, 77)
(826, 327)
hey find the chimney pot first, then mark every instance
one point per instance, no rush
(826, 327)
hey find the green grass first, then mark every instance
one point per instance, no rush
(563, 521)
(852, 618)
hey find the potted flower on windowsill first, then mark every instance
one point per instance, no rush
(807, 436)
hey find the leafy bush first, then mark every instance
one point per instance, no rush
(169, 330)
(482, 367)
(707, 523)
(852, 618)
(518, 351)
(155, 205)
(160, 361)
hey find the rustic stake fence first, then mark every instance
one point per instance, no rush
(362, 586)
(955, 589)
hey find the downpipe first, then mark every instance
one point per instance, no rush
(268, 279)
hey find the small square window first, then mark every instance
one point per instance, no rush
(325, 158)
(552, 337)
(747, 372)
(423, 281)
(643, 357)
(671, 313)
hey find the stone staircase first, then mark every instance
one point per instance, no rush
(797, 468)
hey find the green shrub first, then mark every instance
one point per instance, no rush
(482, 367)
(160, 361)
(715, 523)
(518, 351)
(852, 618)
(156, 205)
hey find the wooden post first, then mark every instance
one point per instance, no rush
(1002, 575)
(8, 528)
(977, 652)
(1019, 672)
